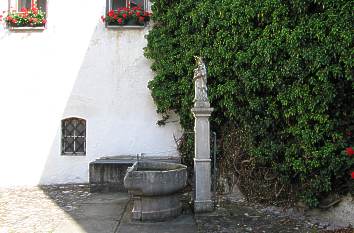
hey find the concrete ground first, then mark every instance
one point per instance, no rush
(73, 209)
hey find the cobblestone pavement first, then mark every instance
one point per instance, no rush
(73, 209)
(240, 218)
(38, 209)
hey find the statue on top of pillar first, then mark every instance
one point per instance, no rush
(200, 82)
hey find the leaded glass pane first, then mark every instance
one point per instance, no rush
(80, 145)
(69, 145)
(118, 3)
(81, 129)
(42, 4)
(24, 4)
(73, 136)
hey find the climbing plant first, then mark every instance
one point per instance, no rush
(283, 70)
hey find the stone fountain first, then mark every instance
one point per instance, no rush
(155, 187)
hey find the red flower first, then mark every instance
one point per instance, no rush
(14, 21)
(103, 18)
(115, 16)
(124, 16)
(23, 9)
(353, 175)
(120, 20)
(110, 13)
(44, 21)
(349, 151)
(35, 10)
(146, 13)
(8, 18)
(137, 13)
(141, 19)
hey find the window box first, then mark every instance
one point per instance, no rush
(30, 15)
(125, 26)
(127, 14)
(20, 29)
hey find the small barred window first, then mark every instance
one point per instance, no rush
(73, 136)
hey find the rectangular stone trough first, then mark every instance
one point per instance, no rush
(106, 174)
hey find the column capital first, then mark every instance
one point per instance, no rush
(200, 112)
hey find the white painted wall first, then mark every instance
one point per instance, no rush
(76, 67)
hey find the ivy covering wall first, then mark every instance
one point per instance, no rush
(282, 71)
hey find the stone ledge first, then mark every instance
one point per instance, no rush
(124, 27)
(26, 29)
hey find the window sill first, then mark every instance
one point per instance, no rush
(125, 27)
(74, 155)
(21, 29)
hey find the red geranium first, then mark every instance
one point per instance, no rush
(132, 15)
(32, 17)
(111, 13)
(349, 151)
(353, 175)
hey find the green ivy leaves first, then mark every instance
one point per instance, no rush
(282, 69)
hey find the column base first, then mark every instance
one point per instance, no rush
(203, 206)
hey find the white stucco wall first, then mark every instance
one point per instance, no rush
(76, 67)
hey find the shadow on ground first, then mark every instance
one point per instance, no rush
(108, 212)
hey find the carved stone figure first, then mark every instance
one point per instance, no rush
(200, 82)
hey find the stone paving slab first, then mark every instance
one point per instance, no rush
(59, 209)
(185, 223)
(73, 209)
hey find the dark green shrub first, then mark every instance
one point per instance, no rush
(282, 69)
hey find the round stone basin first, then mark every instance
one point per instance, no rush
(155, 187)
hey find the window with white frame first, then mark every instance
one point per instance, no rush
(19, 5)
(73, 136)
(26, 13)
(116, 4)
(127, 13)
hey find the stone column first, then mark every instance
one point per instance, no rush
(202, 112)
(202, 198)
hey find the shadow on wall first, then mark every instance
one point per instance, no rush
(110, 92)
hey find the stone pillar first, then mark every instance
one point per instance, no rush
(202, 198)
(202, 112)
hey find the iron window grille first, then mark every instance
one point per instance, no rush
(73, 136)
